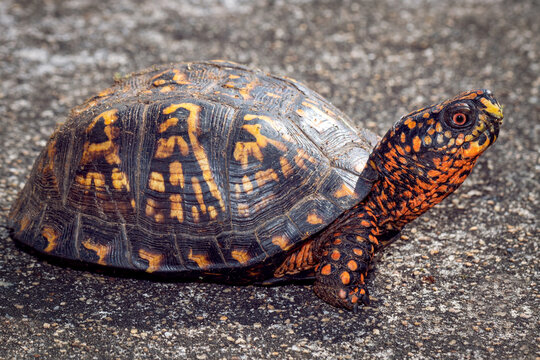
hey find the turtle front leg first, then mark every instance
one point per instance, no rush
(343, 268)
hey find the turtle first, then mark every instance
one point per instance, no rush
(215, 171)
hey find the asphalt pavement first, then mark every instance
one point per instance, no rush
(463, 281)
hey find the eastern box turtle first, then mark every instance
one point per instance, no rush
(210, 170)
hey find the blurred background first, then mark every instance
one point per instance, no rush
(464, 286)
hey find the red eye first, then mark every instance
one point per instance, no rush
(459, 119)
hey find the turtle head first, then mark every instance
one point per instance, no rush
(428, 153)
(459, 128)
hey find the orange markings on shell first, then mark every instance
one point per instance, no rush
(156, 182)
(51, 235)
(286, 168)
(241, 256)
(264, 176)
(243, 210)
(198, 193)
(154, 260)
(314, 219)
(100, 250)
(343, 191)
(165, 147)
(119, 180)
(176, 207)
(95, 178)
(302, 155)
(176, 174)
(201, 260)
(167, 124)
(282, 242)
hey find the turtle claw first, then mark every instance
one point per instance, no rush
(344, 297)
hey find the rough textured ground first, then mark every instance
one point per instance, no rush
(464, 285)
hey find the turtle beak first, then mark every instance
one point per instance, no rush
(492, 107)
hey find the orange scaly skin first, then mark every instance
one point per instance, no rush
(419, 162)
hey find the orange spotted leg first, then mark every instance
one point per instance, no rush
(341, 273)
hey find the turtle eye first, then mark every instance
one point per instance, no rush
(459, 119)
(460, 115)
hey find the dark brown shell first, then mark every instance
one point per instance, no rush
(192, 168)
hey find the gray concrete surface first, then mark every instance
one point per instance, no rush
(464, 285)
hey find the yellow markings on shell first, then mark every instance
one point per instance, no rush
(108, 149)
(237, 190)
(91, 178)
(247, 185)
(176, 174)
(180, 77)
(243, 210)
(165, 147)
(241, 256)
(343, 191)
(212, 212)
(276, 96)
(109, 117)
(261, 140)
(154, 260)
(286, 168)
(156, 182)
(25, 221)
(119, 180)
(151, 210)
(105, 92)
(100, 250)
(198, 193)
(302, 155)
(245, 91)
(282, 242)
(176, 207)
(52, 236)
(493, 109)
(314, 219)
(166, 89)
(243, 150)
(264, 176)
(195, 214)
(232, 76)
(201, 260)
(167, 124)
(198, 150)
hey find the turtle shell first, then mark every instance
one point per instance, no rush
(199, 168)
